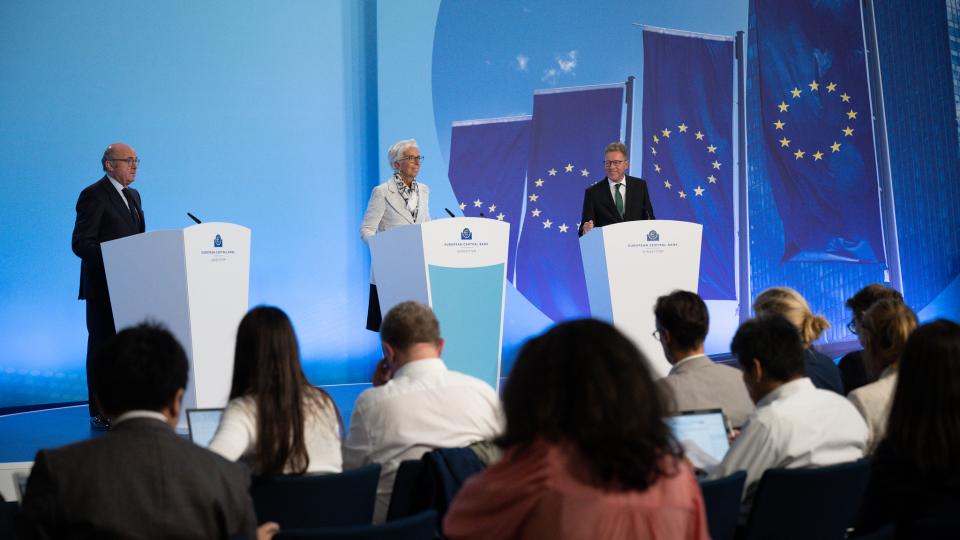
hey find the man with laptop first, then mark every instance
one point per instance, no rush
(795, 424)
(695, 381)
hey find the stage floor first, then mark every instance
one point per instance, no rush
(22, 434)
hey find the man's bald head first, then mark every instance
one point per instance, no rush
(120, 161)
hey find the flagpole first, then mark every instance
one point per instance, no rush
(743, 269)
(628, 97)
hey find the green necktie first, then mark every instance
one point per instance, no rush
(618, 199)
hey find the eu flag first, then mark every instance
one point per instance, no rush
(687, 144)
(816, 129)
(488, 164)
(569, 130)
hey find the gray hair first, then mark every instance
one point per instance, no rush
(617, 146)
(106, 155)
(395, 153)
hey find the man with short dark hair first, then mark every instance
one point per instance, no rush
(853, 371)
(142, 480)
(795, 424)
(695, 381)
(618, 197)
(419, 405)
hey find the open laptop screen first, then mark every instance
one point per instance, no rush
(703, 435)
(202, 425)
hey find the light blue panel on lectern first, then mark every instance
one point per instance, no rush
(468, 303)
(594, 256)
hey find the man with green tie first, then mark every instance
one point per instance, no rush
(617, 197)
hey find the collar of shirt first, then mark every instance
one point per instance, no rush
(119, 187)
(613, 187)
(416, 367)
(139, 413)
(786, 390)
(686, 361)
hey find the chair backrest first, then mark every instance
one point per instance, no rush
(417, 527)
(808, 503)
(313, 501)
(404, 487)
(722, 500)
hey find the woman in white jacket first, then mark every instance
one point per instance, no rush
(401, 200)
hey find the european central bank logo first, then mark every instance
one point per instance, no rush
(218, 242)
(653, 236)
(465, 234)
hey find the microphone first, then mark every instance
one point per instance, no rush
(449, 212)
(193, 217)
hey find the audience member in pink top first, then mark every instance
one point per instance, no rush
(587, 453)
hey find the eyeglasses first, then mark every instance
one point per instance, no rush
(131, 161)
(852, 327)
(613, 163)
(417, 159)
(656, 334)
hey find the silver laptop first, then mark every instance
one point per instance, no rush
(202, 424)
(703, 435)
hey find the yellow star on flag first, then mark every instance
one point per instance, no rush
(500, 216)
(477, 203)
(563, 227)
(667, 184)
(656, 139)
(844, 97)
(799, 154)
(552, 172)
(463, 205)
(656, 167)
(835, 147)
(852, 114)
(568, 168)
(584, 172)
(783, 106)
(712, 149)
(698, 191)
(536, 212)
(818, 155)
(491, 208)
(778, 124)
(847, 131)
(716, 164)
(682, 127)
(666, 133)
(533, 198)
(814, 86)
(699, 136)
(654, 150)
(712, 179)
(784, 142)
(831, 87)
(539, 182)
(683, 195)
(547, 224)
(795, 92)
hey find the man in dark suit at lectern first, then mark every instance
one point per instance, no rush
(617, 197)
(106, 210)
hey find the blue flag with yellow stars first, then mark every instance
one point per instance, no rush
(488, 165)
(816, 129)
(569, 131)
(688, 142)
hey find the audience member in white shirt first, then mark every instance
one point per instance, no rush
(417, 404)
(276, 420)
(795, 424)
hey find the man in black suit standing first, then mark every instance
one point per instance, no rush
(106, 210)
(141, 480)
(617, 197)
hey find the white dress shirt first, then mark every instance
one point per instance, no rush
(873, 401)
(423, 407)
(623, 190)
(119, 187)
(236, 436)
(795, 426)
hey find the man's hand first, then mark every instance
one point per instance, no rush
(383, 373)
(267, 530)
(587, 226)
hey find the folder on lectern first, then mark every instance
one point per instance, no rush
(195, 281)
(458, 267)
(629, 265)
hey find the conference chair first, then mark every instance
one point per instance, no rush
(416, 527)
(722, 500)
(817, 503)
(405, 486)
(312, 501)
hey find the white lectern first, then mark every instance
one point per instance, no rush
(629, 265)
(195, 281)
(458, 267)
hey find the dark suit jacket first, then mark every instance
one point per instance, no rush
(101, 216)
(822, 371)
(141, 480)
(598, 205)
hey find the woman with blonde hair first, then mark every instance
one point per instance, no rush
(884, 329)
(788, 303)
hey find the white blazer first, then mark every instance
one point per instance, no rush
(387, 210)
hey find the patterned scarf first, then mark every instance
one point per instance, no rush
(410, 194)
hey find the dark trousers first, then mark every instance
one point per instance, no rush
(100, 330)
(373, 310)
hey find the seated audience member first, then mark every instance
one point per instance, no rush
(695, 382)
(587, 453)
(276, 420)
(421, 406)
(853, 372)
(788, 303)
(916, 473)
(141, 480)
(884, 330)
(795, 425)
